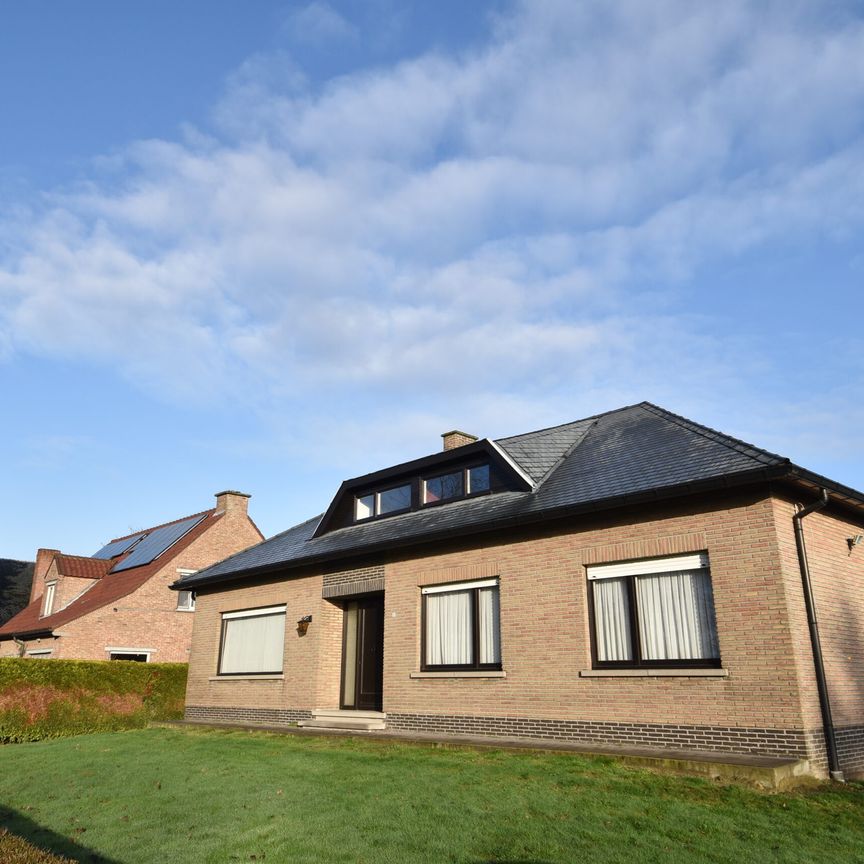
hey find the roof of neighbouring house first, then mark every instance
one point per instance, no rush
(631, 455)
(114, 577)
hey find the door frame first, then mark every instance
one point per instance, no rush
(376, 599)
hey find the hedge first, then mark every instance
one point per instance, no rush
(55, 698)
(16, 850)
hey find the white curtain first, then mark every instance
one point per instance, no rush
(448, 629)
(612, 620)
(490, 625)
(253, 644)
(676, 616)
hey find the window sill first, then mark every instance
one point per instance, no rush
(246, 678)
(468, 673)
(655, 673)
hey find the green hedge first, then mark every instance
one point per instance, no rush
(55, 698)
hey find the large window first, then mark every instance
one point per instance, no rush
(253, 641)
(461, 626)
(656, 612)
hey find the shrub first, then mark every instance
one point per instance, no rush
(15, 850)
(55, 698)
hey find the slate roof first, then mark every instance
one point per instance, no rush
(109, 587)
(634, 454)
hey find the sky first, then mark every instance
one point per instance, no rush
(270, 246)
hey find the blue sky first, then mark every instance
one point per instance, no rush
(269, 246)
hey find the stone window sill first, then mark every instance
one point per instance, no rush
(246, 678)
(460, 674)
(654, 673)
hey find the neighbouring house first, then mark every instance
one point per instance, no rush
(16, 578)
(631, 579)
(116, 604)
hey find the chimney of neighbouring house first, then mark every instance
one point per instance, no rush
(44, 557)
(231, 501)
(457, 439)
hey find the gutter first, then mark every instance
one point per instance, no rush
(818, 664)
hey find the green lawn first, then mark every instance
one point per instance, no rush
(172, 795)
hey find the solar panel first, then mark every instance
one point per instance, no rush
(155, 543)
(118, 547)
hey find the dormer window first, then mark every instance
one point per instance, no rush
(456, 484)
(392, 500)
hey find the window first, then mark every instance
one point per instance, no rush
(253, 641)
(456, 484)
(444, 487)
(478, 479)
(125, 655)
(185, 601)
(39, 652)
(48, 605)
(381, 503)
(657, 612)
(461, 626)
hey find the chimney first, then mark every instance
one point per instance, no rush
(457, 439)
(231, 502)
(44, 558)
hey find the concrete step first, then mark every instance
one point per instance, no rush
(331, 718)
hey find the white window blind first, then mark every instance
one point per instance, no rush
(693, 561)
(253, 641)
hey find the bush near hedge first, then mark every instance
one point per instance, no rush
(54, 698)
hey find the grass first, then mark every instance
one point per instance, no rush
(169, 795)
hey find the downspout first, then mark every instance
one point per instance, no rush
(815, 642)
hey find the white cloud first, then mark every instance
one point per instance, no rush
(507, 221)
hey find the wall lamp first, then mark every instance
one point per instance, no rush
(303, 624)
(852, 542)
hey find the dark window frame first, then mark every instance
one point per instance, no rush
(475, 666)
(224, 629)
(638, 662)
(466, 493)
(376, 493)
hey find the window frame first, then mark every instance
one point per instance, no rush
(637, 661)
(376, 502)
(254, 612)
(465, 471)
(49, 598)
(474, 588)
(190, 607)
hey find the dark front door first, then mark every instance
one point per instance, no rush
(363, 655)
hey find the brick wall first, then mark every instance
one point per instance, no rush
(837, 576)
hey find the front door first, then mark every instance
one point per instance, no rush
(363, 654)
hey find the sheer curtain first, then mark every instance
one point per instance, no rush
(253, 644)
(676, 616)
(612, 620)
(490, 629)
(448, 629)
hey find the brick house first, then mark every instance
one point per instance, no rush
(629, 579)
(116, 604)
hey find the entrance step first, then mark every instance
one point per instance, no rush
(360, 721)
